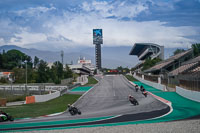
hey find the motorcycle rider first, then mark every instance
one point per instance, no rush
(142, 88)
(73, 109)
(136, 88)
(70, 107)
(133, 100)
(3, 113)
(145, 93)
(8, 117)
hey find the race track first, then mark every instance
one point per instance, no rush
(109, 98)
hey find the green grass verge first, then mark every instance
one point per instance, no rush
(91, 81)
(38, 109)
(130, 78)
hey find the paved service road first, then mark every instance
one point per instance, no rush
(110, 98)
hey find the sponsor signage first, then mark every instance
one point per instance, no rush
(97, 36)
(84, 61)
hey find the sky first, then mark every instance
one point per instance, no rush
(62, 24)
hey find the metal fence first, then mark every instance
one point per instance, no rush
(139, 75)
(190, 81)
(152, 78)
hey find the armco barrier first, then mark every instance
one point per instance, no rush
(44, 98)
(30, 99)
(155, 85)
(192, 95)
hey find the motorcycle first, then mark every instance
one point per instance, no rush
(74, 111)
(5, 117)
(134, 101)
(144, 93)
(136, 88)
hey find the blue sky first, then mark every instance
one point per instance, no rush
(63, 24)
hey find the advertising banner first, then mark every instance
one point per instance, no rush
(97, 36)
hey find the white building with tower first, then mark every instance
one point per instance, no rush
(83, 67)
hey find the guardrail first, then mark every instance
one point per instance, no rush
(156, 85)
(192, 95)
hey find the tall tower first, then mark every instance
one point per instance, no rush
(98, 40)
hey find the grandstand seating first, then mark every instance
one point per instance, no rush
(167, 63)
(182, 68)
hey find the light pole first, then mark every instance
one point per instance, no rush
(26, 75)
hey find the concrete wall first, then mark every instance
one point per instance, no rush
(155, 85)
(34, 88)
(192, 95)
(83, 79)
(44, 98)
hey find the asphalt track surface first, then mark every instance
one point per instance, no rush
(108, 98)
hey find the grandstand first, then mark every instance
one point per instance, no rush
(171, 63)
(145, 51)
(192, 65)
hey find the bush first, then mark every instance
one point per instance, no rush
(3, 80)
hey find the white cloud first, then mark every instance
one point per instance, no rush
(79, 30)
(75, 29)
(32, 11)
(118, 9)
(27, 37)
(2, 42)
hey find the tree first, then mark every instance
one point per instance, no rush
(42, 72)
(36, 61)
(57, 72)
(177, 51)
(1, 61)
(196, 49)
(68, 72)
(13, 58)
(19, 75)
(123, 70)
(150, 63)
(59, 69)
(120, 69)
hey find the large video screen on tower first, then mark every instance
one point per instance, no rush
(97, 36)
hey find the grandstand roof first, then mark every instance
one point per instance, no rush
(170, 60)
(138, 47)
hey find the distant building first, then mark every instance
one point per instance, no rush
(50, 64)
(84, 67)
(6, 75)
